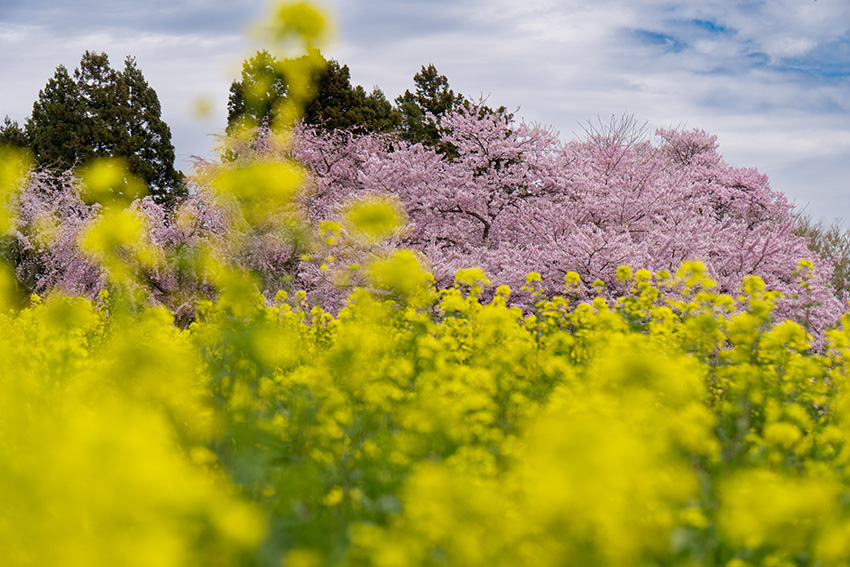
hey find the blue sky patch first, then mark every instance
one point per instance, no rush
(668, 42)
(710, 27)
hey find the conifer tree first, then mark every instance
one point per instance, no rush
(433, 96)
(253, 97)
(100, 91)
(56, 126)
(338, 105)
(145, 139)
(11, 134)
(376, 111)
(101, 112)
(335, 104)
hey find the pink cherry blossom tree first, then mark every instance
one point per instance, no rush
(44, 247)
(517, 199)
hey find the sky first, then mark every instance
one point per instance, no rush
(769, 78)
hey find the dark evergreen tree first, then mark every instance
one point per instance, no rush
(57, 127)
(333, 104)
(101, 112)
(377, 111)
(11, 134)
(338, 105)
(253, 98)
(433, 96)
(145, 139)
(100, 91)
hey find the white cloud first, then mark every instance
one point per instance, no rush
(784, 46)
(732, 69)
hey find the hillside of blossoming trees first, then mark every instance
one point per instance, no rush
(513, 199)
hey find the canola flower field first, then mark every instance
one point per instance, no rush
(417, 426)
(427, 428)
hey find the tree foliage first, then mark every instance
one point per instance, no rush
(331, 103)
(515, 199)
(146, 139)
(12, 134)
(831, 242)
(422, 110)
(57, 125)
(101, 112)
(252, 98)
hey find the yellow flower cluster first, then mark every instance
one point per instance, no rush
(672, 426)
(431, 428)
(104, 438)
(647, 431)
